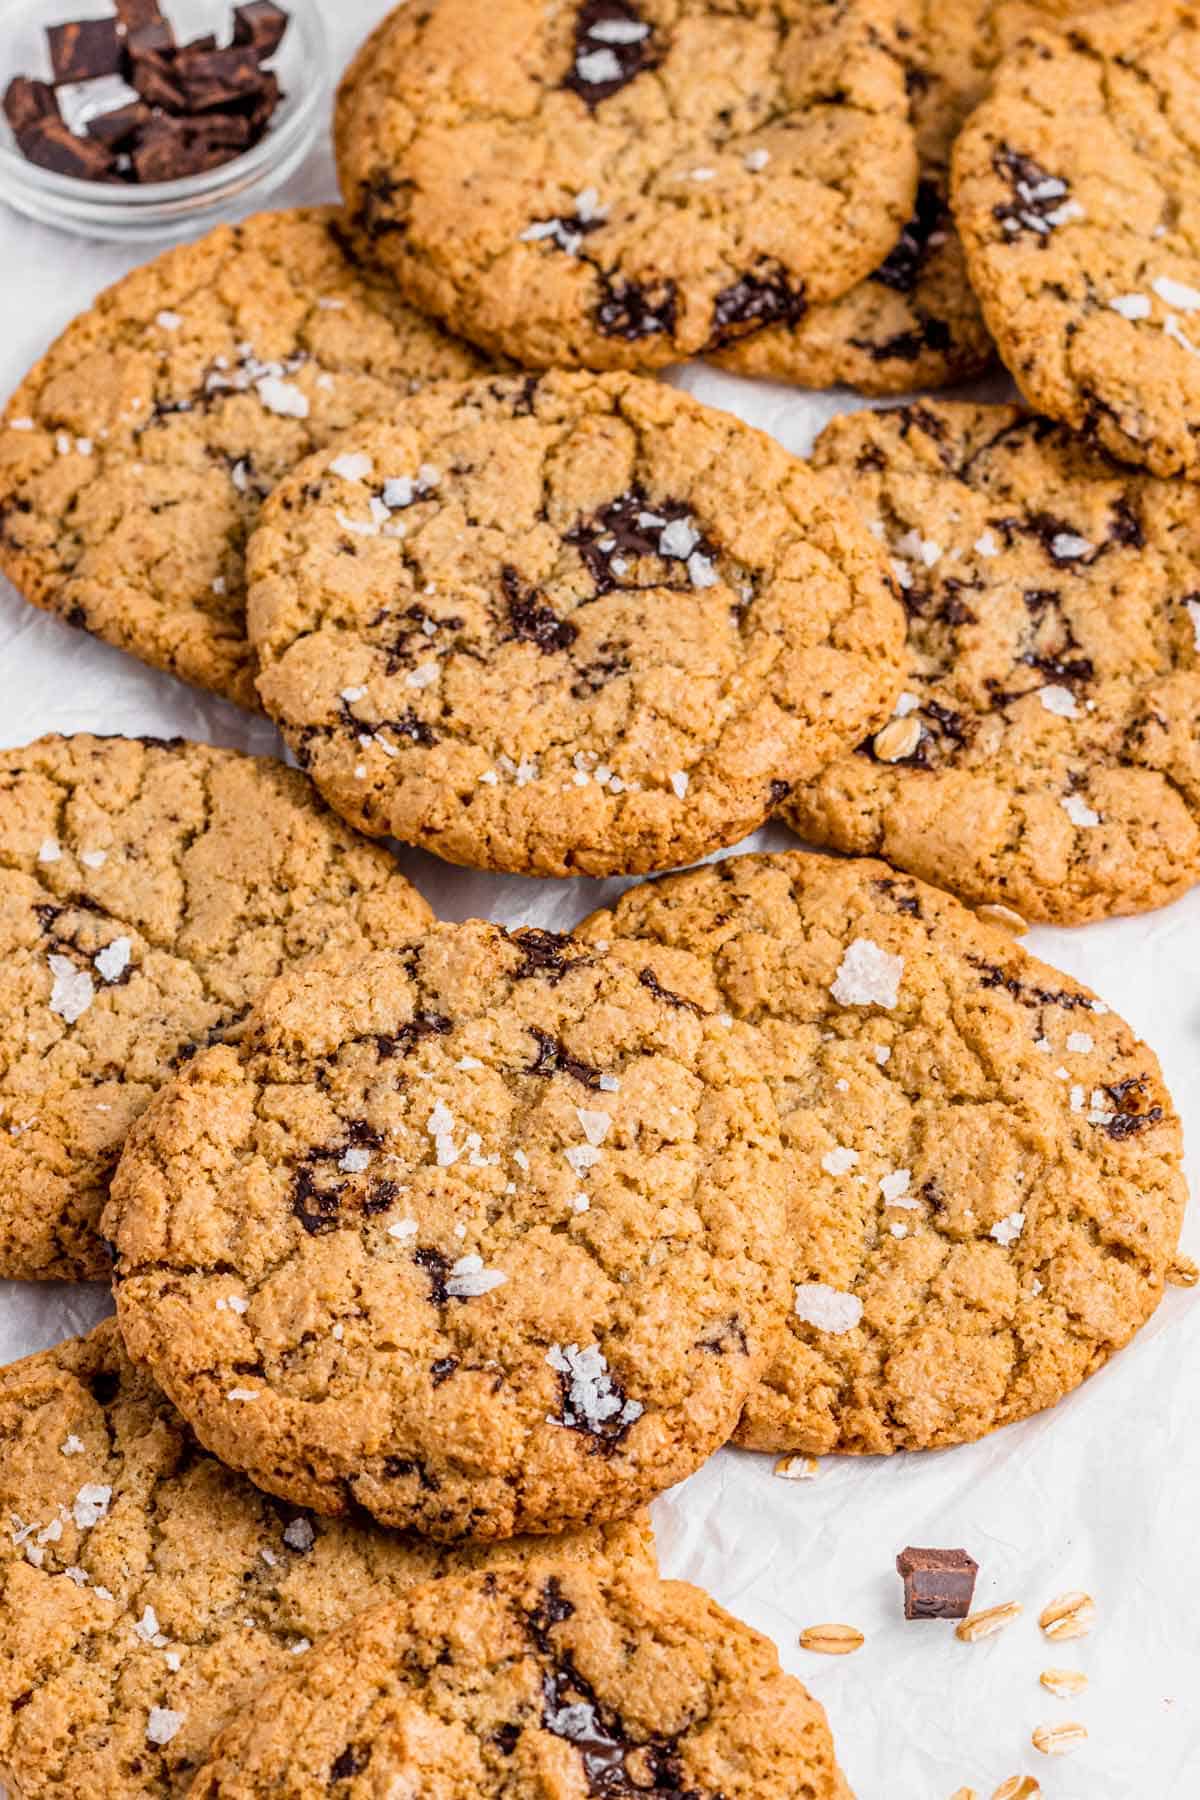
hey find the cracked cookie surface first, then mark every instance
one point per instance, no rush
(625, 183)
(1046, 748)
(147, 1593)
(148, 889)
(984, 1164)
(136, 453)
(573, 624)
(535, 1681)
(496, 1222)
(1076, 187)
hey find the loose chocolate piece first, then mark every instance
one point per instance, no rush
(155, 79)
(215, 79)
(51, 144)
(84, 49)
(226, 131)
(133, 14)
(156, 38)
(261, 24)
(169, 149)
(938, 1584)
(26, 102)
(117, 129)
(264, 108)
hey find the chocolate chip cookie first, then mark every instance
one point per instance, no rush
(534, 1681)
(985, 1166)
(146, 1593)
(565, 625)
(147, 891)
(915, 321)
(1076, 186)
(135, 455)
(1045, 752)
(480, 1233)
(625, 183)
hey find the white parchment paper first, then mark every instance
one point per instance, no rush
(1103, 1493)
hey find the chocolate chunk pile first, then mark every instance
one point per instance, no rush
(187, 107)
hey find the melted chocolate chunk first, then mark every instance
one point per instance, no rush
(1135, 1111)
(545, 953)
(421, 1025)
(627, 529)
(403, 1468)
(649, 980)
(597, 674)
(1126, 526)
(765, 295)
(631, 310)
(901, 269)
(531, 620)
(437, 1268)
(907, 346)
(443, 1369)
(506, 1737)
(572, 1712)
(779, 791)
(316, 1208)
(409, 726)
(995, 977)
(378, 215)
(1057, 538)
(907, 903)
(104, 1386)
(352, 1761)
(613, 44)
(553, 1058)
(1038, 196)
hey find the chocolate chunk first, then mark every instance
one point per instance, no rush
(227, 131)
(117, 129)
(84, 49)
(901, 269)
(261, 25)
(938, 1584)
(156, 81)
(613, 44)
(265, 104)
(156, 38)
(765, 295)
(630, 310)
(1040, 198)
(51, 145)
(531, 621)
(27, 102)
(215, 79)
(169, 149)
(133, 14)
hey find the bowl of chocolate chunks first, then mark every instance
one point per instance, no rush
(146, 118)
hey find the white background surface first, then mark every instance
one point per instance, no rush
(1103, 1493)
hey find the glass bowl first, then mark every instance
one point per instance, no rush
(160, 211)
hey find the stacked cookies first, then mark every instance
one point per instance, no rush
(440, 1250)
